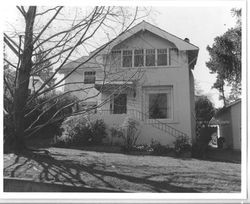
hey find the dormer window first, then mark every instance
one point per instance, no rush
(127, 56)
(89, 77)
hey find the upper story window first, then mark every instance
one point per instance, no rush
(145, 57)
(127, 58)
(89, 77)
(116, 58)
(173, 56)
(139, 58)
(162, 56)
(150, 57)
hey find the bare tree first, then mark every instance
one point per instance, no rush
(52, 38)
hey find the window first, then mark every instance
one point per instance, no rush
(150, 57)
(173, 56)
(162, 57)
(139, 58)
(116, 58)
(89, 77)
(127, 58)
(159, 102)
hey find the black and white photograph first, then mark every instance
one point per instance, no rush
(111, 101)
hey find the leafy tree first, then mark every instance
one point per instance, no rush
(225, 59)
(204, 109)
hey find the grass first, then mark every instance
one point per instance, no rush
(125, 172)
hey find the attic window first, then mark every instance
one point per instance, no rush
(162, 56)
(173, 56)
(89, 77)
(150, 57)
(139, 58)
(116, 58)
(127, 58)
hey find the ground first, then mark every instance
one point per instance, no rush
(122, 172)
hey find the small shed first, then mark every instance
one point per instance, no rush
(228, 121)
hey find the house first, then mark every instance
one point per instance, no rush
(35, 83)
(228, 121)
(145, 73)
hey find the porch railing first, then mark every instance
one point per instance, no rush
(153, 122)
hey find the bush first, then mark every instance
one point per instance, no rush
(181, 145)
(98, 132)
(79, 131)
(46, 111)
(42, 113)
(129, 132)
(159, 149)
(199, 149)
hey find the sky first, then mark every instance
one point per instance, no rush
(200, 23)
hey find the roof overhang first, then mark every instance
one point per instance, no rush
(178, 42)
(110, 86)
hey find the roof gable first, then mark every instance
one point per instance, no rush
(178, 42)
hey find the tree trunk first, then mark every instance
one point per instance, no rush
(23, 75)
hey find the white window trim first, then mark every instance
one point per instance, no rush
(144, 58)
(169, 89)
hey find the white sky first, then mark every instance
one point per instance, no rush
(200, 24)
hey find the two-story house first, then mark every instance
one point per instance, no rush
(146, 73)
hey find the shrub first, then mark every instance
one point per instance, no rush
(159, 149)
(46, 111)
(129, 131)
(181, 145)
(42, 114)
(98, 132)
(199, 149)
(79, 131)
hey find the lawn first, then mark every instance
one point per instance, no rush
(125, 172)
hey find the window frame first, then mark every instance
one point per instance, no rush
(89, 80)
(168, 57)
(169, 90)
(155, 59)
(132, 57)
(141, 55)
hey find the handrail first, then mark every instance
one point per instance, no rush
(160, 125)
(154, 122)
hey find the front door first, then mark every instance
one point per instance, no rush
(120, 104)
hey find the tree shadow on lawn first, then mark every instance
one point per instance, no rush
(76, 173)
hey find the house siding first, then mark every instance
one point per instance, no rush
(177, 76)
(236, 125)
(231, 131)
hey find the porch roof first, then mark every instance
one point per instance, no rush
(107, 86)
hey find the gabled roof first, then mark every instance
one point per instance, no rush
(179, 43)
(92, 63)
(106, 48)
